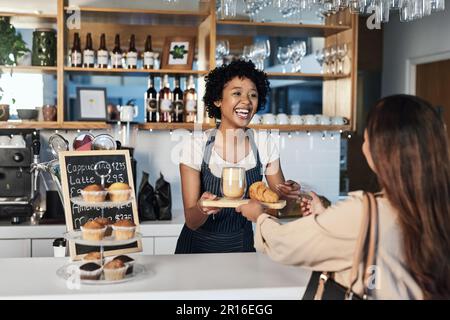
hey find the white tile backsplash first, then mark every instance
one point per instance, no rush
(308, 159)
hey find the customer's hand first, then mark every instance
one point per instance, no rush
(311, 206)
(207, 210)
(289, 189)
(251, 210)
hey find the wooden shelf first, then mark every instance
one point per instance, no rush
(29, 124)
(285, 128)
(30, 17)
(83, 125)
(232, 27)
(299, 75)
(145, 11)
(135, 71)
(27, 69)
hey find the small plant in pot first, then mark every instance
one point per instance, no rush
(12, 46)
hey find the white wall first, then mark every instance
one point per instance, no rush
(411, 40)
(308, 159)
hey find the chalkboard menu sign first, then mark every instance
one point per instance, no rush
(80, 169)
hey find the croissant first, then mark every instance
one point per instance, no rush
(259, 191)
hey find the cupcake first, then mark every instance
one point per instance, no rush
(90, 271)
(119, 191)
(93, 193)
(124, 229)
(93, 230)
(107, 223)
(93, 257)
(115, 270)
(129, 262)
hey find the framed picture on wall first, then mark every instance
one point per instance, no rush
(91, 104)
(178, 53)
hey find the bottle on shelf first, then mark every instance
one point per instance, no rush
(151, 98)
(102, 53)
(75, 54)
(190, 101)
(116, 54)
(149, 57)
(131, 56)
(178, 103)
(165, 101)
(88, 53)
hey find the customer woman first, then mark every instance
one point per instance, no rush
(234, 93)
(406, 146)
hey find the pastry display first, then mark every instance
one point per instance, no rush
(94, 256)
(93, 193)
(124, 229)
(90, 271)
(128, 261)
(259, 191)
(119, 191)
(93, 230)
(114, 270)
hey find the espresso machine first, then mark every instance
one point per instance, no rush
(17, 197)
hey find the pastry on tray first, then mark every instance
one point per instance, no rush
(93, 230)
(115, 270)
(119, 191)
(259, 191)
(90, 271)
(93, 193)
(128, 261)
(107, 223)
(93, 256)
(124, 229)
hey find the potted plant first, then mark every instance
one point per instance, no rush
(12, 46)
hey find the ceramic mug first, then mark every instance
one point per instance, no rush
(282, 118)
(310, 119)
(295, 119)
(323, 120)
(4, 112)
(268, 118)
(128, 113)
(339, 121)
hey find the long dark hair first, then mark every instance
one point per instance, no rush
(409, 148)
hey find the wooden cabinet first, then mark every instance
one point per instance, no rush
(339, 91)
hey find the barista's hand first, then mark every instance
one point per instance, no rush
(251, 210)
(311, 206)
(289, 189)
(207, 210)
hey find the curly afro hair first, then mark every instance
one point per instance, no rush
(220, 76)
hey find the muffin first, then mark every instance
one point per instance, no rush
(93, 230)
(93, 193)
(128, 261)
(94, 256)
(119, 191)
(90, 271)
(124, 229)
(107, 223)
(115, 270)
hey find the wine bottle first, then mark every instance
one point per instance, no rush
(116, 55)
(88, 53)
(102, 53)
(151, 97)
(132, 54)
(178, 104)
(165, 101)
(190, 101)
(149, 58)
(75, 54)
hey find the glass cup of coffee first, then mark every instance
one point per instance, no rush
(233, 183)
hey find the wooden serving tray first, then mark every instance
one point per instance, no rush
(230, 203)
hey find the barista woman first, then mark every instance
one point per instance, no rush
(234, 93)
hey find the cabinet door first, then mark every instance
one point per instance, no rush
(148, 245)
(17, 248)
(165, 245)
(42, 248)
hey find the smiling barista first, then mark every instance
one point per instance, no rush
(234, 93)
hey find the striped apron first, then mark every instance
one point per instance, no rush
(226, 231)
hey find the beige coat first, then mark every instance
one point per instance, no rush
(326, 242)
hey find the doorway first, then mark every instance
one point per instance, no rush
(432, 84)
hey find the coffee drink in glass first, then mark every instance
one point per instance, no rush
(233, 184)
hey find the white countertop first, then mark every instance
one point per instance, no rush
(191, 276)
(165, 228)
